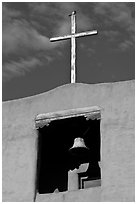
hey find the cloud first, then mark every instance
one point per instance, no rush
(54, 10)
(111, 34)
(119, 15)
(116, 12)
(125, 45)
(8, 14)
(89, 50)
(19, 35)
(13, 68)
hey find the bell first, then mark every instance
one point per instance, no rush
(79, 148)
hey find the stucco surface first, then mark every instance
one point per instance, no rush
(117, 135)
(86, 195)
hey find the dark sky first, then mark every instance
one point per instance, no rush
(32, 64)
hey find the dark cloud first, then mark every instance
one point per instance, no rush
(21, 39)
(20, 67)
(20, 35)
(120, 15)
(125, 45)
(118, 12)
(8, 15)
(111, 35)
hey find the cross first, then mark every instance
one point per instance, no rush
(73, 37)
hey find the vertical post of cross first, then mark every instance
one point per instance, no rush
(73, 37)
(73, 47)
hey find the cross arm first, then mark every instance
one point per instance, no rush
(93, 32)
(60, 38)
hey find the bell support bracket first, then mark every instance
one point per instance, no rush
(93, 116)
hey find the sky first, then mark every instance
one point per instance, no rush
(31, 64)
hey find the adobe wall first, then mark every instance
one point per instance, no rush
(117, 132)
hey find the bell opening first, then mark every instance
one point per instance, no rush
(63, 147)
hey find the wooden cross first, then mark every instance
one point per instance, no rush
(73, 37)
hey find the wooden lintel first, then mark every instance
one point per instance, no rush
(89, 112)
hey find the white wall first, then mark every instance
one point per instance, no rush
(117, 132)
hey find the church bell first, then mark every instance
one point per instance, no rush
(79, 148)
